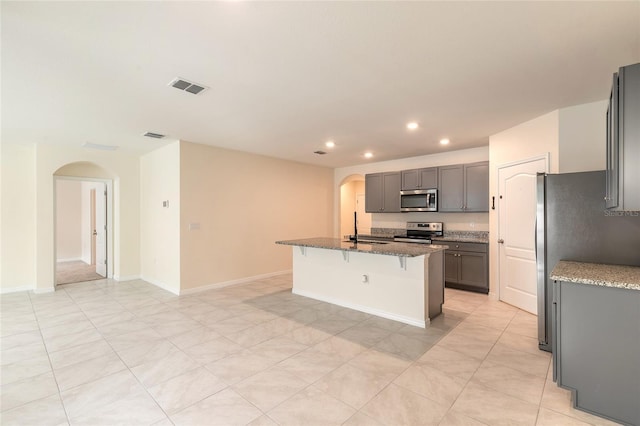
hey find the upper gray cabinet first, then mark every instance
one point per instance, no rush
(420, 179)
(382, 192)
(464, 188)
(623, 140)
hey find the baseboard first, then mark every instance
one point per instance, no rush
(71, 259)
(232, 282)
(160, 284)
(493, 296)
(366, 309)
(44, 290)
(16, 289)
(126, 277)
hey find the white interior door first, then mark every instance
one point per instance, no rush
(516, 226)
(101, 230)
(364, 218)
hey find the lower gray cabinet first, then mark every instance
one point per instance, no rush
(596, 348)
(466, 266)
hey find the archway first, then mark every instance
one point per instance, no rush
(352, 199)
(83, 230)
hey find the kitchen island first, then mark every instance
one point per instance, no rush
(399, 281)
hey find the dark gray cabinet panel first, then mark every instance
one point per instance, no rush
(451, 188)
(373, 201)
(464, 188)
(420, 179)
(597, 348)
(466, 266)
(476, 187)
(623, 140)
(382, 192)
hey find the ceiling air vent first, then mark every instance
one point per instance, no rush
(153, 135)
(187, 86)
(320, 152)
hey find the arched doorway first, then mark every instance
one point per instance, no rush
(352, 199)
(83, 223)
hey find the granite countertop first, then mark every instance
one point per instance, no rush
(619, 276)
(463, 239)
(390, 249)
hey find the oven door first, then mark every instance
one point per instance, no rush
(419, 201)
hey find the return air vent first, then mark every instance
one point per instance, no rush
(153, 135)
(320, 152)
(187, 86)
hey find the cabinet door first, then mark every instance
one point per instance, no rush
(451, 266)
(476, 187)
(391, 192)
(429, 178)
(410, 180)
(373, 193)
(473, 269)
(451, 185)
(612, 175)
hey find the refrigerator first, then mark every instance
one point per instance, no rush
(573, 224)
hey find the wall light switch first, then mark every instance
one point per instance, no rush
(193, 226)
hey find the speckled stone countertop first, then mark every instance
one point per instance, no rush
(390, 249)
(619, 276)
(463, 239)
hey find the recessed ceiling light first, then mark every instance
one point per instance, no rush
(329, 144)
(368, 155)
(412, 126)
(444, 141)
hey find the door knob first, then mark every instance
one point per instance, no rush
(500, 241)
(95, 232)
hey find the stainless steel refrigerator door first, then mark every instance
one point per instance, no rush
(541, 267)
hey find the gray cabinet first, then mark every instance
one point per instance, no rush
(464, 188)
(623, 140)
(382, 192)
(420, 179)
(466, 266)
(596, 348)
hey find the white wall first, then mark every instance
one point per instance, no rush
(243, 203)
(582, 137)
(452, 221)
(160, 226)
(348, 193)
(68, 220)
(17, 222)
(28, 258)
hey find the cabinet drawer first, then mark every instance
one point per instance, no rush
(455, 245)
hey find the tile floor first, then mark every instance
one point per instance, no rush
(105, 353)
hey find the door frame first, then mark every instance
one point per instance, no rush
(547, 163)
(109, 231)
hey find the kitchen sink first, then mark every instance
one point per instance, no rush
(367, 242)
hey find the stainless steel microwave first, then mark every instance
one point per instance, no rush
(419, 200)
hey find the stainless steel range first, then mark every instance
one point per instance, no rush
(420, 232)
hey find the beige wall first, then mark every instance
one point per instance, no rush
(160, 226)
(28, 223)
(582, 137)
(452, 221)
(68, 220)
(17, 220)
(243, 203)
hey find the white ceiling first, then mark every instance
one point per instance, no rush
(284, 77)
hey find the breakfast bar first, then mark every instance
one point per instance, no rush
(399, 281)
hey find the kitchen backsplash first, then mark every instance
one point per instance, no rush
(391, 232)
